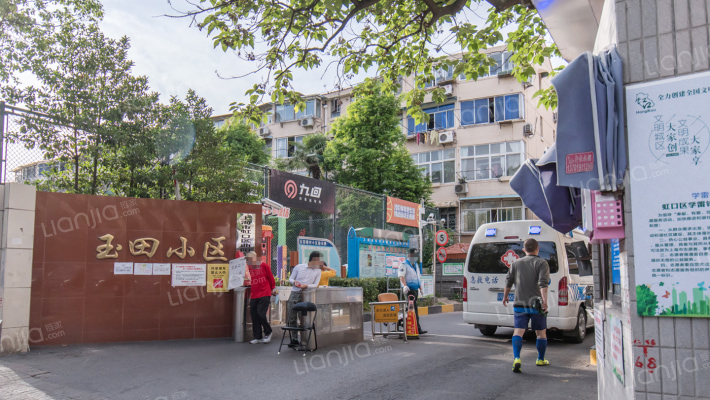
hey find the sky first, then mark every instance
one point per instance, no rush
(177, 57)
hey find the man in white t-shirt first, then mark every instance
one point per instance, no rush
(303, 276)
(411, 285)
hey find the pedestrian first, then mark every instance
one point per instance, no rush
(325, 274)
(531, 276)
(303, 276)
(262, 288)
(411, 286)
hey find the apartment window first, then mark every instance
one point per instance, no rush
(284, 112)
(218, 124)
(485, 111)
(503, 65)
(441, 74)
(508, 108)
(476, 213)
(491, 161)
(439, 165)
(312, 109)
(441, 117)
(286, 147)
(335, 105)
(479, 111)
(449, 217)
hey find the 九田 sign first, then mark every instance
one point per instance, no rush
(300, 192)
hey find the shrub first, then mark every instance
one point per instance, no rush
(371, 287)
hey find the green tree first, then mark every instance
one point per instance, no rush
(646, 301)
(28, 29)
(87, 86)
(242, 141)
(368, 150)
(402, 38)
(308, 155)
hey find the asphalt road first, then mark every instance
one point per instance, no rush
(453, 361)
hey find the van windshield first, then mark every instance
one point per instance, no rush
(486, 257)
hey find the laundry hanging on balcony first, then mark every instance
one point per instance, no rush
(536, 183)
(591, 147)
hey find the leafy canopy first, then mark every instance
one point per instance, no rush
(397, 38)
(368, 151)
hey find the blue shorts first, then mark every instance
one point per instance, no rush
(538, 322)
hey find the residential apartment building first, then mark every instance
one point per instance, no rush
(471, 146)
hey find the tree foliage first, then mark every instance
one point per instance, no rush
(28, 30)
(397, 38)
(368, 151)
(308, 155)
(243, 142)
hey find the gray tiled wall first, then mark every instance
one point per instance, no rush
(660, 39)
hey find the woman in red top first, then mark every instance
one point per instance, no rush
(262, 287)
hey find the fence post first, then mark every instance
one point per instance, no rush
(2, 142)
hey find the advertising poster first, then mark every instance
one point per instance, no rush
(189, 274)
(427, 282)
(143, 269)
(670, 194)
(237, 270)
(392, 263)
(161, 269)
(599, 336)
(402, 212)
(452, 269)
(217, 278)
(617, 348)
(123, 268)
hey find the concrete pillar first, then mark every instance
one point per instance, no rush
(16, 247)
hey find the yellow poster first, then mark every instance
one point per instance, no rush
(217, 278)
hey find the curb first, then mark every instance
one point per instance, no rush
(428, 310)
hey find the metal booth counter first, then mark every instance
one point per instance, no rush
(339, 319)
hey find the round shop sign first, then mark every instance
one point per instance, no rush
(441, 255)
(442, 238)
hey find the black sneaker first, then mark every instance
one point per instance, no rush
(423, 332)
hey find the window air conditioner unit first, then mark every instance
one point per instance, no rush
(307, 122)
(446, 137)
(448, 89)
(461, 188)
(264, 131)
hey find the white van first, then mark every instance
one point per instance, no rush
(494, 248)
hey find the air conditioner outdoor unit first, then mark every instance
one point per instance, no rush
(461, 188)
(307, 122)
(446, 137)
(264, 131)
(528, 129)
(448, 89)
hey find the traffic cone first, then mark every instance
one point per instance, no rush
(412, 329)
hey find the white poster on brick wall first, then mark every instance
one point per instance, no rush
(599, 336)
(669, 160)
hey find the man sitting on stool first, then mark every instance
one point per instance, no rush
(304, 276)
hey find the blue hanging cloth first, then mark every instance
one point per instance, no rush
(591, 146)
(536, 183)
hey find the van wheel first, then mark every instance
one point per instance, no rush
(580, 331)
(488, 330)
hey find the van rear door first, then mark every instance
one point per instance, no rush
(488, 264)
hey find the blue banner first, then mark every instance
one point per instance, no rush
(615, 262)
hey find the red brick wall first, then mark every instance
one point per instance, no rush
(76, 298)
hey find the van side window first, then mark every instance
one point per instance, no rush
(572, 260)
(580, 263)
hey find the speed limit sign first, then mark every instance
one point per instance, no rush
(442, 238)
